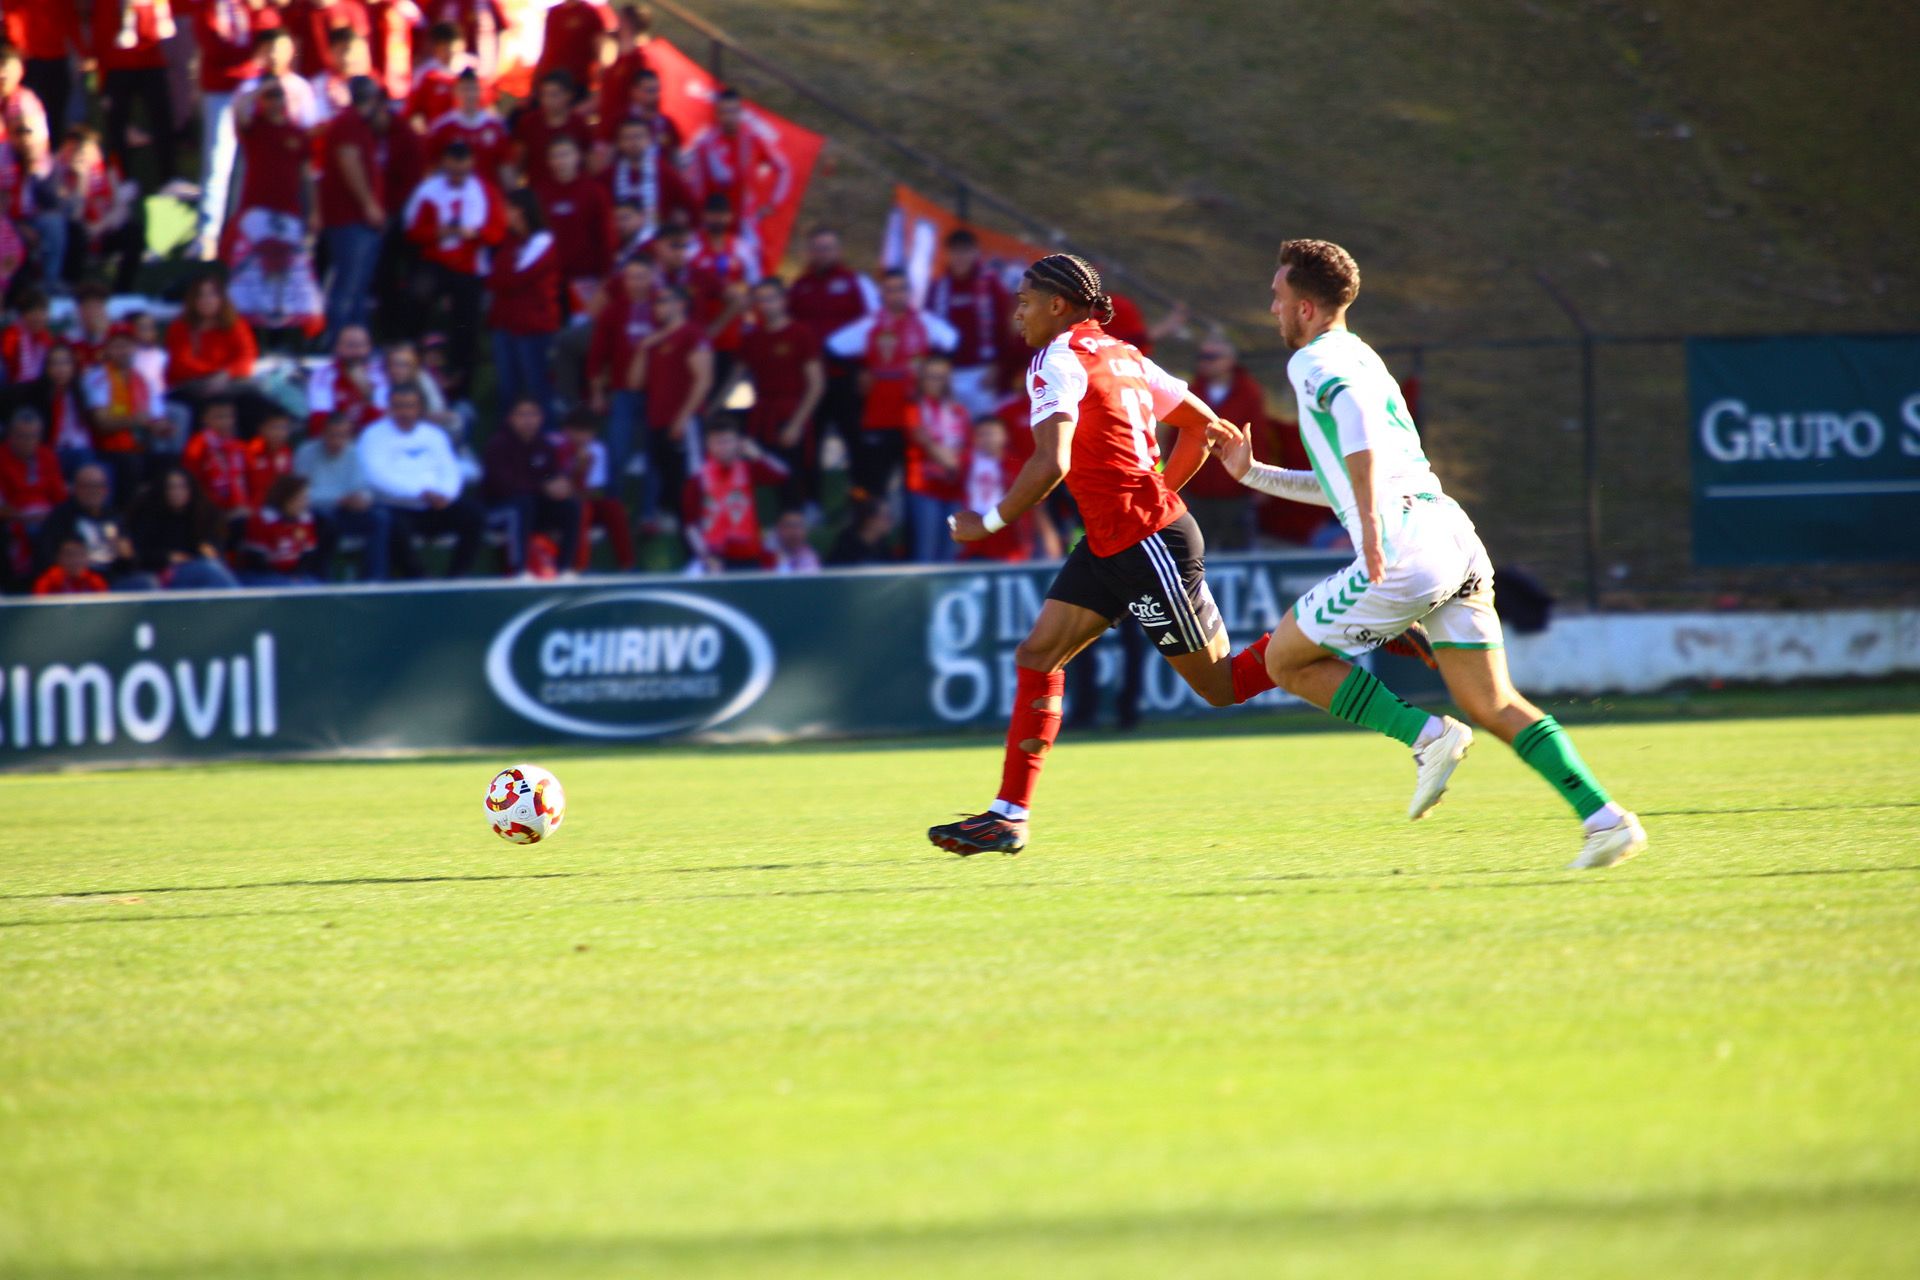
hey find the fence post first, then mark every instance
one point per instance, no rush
(1590, 433)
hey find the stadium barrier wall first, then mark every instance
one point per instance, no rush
(391, 669)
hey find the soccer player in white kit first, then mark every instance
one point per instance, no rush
(1420, 561)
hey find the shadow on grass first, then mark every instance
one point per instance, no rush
(635, 1255)
(156, 919)
(288, 884)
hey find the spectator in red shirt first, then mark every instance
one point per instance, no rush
(274, 50)
(127, 35)
(524, 312)
(452, 218)
(524, 476)
(274, 152)
(211, 350)
(269, 456)
(734, 159)
(390, 43)
(481, 23)
(223, 33)
(31, 486)
(281, 545)
(346, 58)
(24, 343)
(1222, 506)
(633, 32)
(990, 469)
(580, 215)
(215, 459)
(553, 115)
(674, 370)
(51, 37)
(889, 346)
(471, 123)
(642, 103)
(353, 208)
(575, 31)
(975, 302)
(729, 261)
(312, 22)
(782, 359)
(106, 221)
(432, 93)
(623, 322)
(643, 173)
(720, 504)
(70, 575)
(827, 297)
(938, 429)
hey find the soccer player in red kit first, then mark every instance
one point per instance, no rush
(1094, 401)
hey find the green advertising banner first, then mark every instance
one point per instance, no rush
(1805, 448)
(178, 676)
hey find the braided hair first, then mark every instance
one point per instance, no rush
(1068, 276)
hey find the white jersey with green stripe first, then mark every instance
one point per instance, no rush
(1337, 361)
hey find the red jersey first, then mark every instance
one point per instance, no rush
(58, 582)
(339, 207)
(45, 31)
(984, 482)
(1238, 399)
(219, 463)
(273, 165)
(945, 423)
(485, 135)
(224, 31)
(581, 220)
(265, 464)
(670, 373)
(720, 504)
(1113, 395)
(744, 166)
(533, 133)
(979, 310)
(127, 36)
(280, 540)
(777, 359)
(619, 328)
(34, 486)
(23, 351)
(616, 85)
(827, 301)
(390, 46)
(309, 23)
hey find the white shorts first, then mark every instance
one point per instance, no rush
(1438, 574)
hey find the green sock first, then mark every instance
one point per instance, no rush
(1363, 700)
(1549, 752)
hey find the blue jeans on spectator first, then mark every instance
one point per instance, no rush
(537, 513)
(374, 528)
(219, 144)
(202, 574)
(520, 367)
(927, 529)
(626, 410)
(51, 227)
(352, 252)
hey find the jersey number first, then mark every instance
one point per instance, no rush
(1137, 404)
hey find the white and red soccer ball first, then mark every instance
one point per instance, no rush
(525, 804)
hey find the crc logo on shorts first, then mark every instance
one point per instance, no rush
(630, 664)
(1150, 612)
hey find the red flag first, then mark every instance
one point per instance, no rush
(686, 96)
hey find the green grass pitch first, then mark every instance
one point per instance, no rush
(1229, 1017)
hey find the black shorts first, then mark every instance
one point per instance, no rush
(1158, 580)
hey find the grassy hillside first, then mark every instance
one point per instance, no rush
(1709, 167)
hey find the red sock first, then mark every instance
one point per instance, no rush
(1042, 723)
(1250, 678)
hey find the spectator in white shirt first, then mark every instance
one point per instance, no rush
(413, 473)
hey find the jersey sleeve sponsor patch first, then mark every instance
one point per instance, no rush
(1056, 384)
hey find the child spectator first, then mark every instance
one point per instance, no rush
(70, 574)
(791, 551)
(411, 468)
(177, 535)
(674, 369)
(938, 429)
(269, 456)
(218, 462)
(452, 218)
(433, 94)
(889, 347)
(122, 412)
(867, 537)
(342, 501)
(92, 322)
(782, 357)
(106, 221)
(282, 543)
(31, 486)
(524, 310)
(624, 321)
(149, 357)
(525, 476)
(584, 460)
(989, 475)
(720, 507)
(25, 343)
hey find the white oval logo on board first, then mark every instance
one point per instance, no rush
(630, 664)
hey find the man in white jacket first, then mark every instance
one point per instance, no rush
(410, 466)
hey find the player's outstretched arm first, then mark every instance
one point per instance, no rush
(1052, 451)
(1201, 431)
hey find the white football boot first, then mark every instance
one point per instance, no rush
(1611, 846)
(1436, 762)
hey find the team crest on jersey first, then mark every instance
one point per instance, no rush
(1150, 612)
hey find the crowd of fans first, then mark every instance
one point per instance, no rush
(427, 324)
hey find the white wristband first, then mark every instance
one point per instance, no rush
(991, 519)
